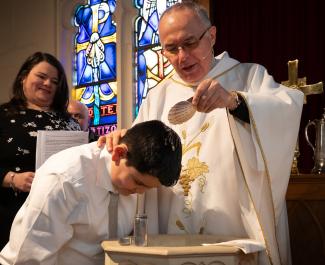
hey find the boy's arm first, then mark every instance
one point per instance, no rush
(40, 227)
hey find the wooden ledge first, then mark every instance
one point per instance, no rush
(306, 187)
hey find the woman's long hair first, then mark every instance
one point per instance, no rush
(61, 97)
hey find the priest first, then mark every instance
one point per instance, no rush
(237, 148)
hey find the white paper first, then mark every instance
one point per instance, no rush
(51, 142)
(246, 245)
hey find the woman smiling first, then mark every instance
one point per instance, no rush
(39, 102)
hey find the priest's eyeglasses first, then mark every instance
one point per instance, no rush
(188, 45)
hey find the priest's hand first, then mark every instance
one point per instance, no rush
(210, 95)
(111, 139)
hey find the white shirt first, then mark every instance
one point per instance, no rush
(65, 217)
(234, 175)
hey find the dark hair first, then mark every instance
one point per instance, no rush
(197, 9)
(154, 149)
(61, 98)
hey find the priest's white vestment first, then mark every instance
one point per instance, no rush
(234, 174)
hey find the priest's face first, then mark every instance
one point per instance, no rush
(187, 43)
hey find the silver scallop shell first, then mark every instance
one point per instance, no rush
(181, 112)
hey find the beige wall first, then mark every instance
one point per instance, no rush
(26, 27)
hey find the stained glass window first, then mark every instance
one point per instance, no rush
(95, 63)
(151, 66)
(95, 79)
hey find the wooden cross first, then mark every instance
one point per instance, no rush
(300, 84)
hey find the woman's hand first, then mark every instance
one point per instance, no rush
(112, 139)
(21, 181)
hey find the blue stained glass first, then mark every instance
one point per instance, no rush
(97, 39)
(112, 5)
(138, 3)
(147, 39)
(88, 93)
(87, 75)
(94, 2)
(95, 62)
(150, 31)
(106, 89)
(107, 28)
(142, 77)
(83, 35)
(110, 54)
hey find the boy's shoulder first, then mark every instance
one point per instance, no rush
(72, 161)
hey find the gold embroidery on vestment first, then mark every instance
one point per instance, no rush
(194, 169)
(182, 227)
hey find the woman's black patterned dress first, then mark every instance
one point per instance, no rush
(18, 132)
